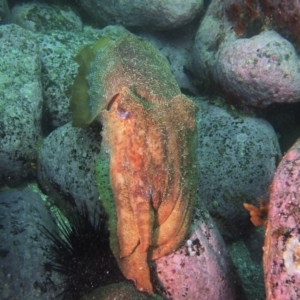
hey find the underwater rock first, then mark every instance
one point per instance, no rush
(20, 104)
(23, 247)
(259, 71)
(57, 51)
(248, 262)
(149, 15)
(119, 291)
(39, 17)
(237, 156)
(66, 167)
(282, 248)
(5, 15)
(285, 16)
(252, 66)
(202, 267)
(215, 28)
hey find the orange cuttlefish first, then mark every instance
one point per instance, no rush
(146, 172)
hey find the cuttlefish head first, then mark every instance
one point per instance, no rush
(153, 175)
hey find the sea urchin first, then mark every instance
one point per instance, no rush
(81, 253)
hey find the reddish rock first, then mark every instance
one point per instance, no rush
(282, 242)
(284, 14)
(201, 268)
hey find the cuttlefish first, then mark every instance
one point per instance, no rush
(146, 172)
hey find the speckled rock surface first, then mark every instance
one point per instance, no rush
(66, 167)
(119, 291)
(58, 50)
(38, 16)
(282, 247)
(5, 15)
(253, 66)
(20, 103)
(250, 270)
(285, 14)
(22, 249)
(260, 71)
(150, 15)
(237, 160)
(203, 270)
(214, 30)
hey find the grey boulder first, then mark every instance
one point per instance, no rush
(150, 15)
(20, 104)
(23, 247)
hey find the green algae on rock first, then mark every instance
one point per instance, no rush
(147, 172)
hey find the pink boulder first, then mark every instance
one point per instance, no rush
(282, 242)
(201, 268)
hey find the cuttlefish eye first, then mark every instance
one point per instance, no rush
(123, 114)
(114, 104)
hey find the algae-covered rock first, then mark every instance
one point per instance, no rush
(237, 51)
(119, 291)
(23, 249)
(20, 103)
(66, 167)
(5, 15)
(150, 15)
(237, 157)
(39, 17)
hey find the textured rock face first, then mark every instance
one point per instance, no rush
(20, 103)
(237, 157)
(201, 268)
(23, 247)
(65, 152)
(4, 12)
(121, 290)
(285, 15)
(282, 246)
(259, 71)
(150, 15)
(253, 66)
(41, 17)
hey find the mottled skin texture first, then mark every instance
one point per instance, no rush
(148, 156)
